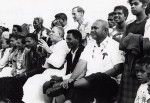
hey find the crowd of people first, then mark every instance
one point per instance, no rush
(106, 62)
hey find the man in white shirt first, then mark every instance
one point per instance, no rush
(83, 25)
(104, 56)
(53, 65)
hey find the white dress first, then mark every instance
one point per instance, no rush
(33, 88)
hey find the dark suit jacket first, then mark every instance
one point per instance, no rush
(35, 60)
(71, 65)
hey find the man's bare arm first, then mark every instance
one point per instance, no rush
(116, 70)
(80, 69)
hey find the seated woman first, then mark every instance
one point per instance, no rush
(6, 70)
(53, 65)
(4, 53)
(11, 88)
(16, 59)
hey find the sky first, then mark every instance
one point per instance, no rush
(24, 11)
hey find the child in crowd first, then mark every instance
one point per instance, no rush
(142, 68)
(129, 84)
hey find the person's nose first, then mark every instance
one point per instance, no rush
(132, 6)
(139, 74)
(92, 29)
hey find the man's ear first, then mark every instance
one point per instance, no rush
(82, 13)
(144, 5)
(105, 31)
(125, 18)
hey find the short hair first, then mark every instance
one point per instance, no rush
(105, 25)
(39, 19)
(62, 16)
(111, 14)
(124, 9)
(147, 10)
(22, 38)
(76, 34)
(17, 37)
(33, 36)
(19, 28)
(79, 9)
(143, 61)
(142, 1)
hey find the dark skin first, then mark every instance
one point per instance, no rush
(81, 66)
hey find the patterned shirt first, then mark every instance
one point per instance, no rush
(142, 95)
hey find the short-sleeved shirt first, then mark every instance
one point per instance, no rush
(142, 95)
(103, 58)
(59, 52)
(136, 28)
(84, 28)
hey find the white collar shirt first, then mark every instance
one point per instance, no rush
(103, 58)
(84, 28)
(73, 54)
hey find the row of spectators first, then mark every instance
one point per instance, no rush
(106, 62)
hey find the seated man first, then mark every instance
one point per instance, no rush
(73, 39)
(34, 58)
(18, 58)
(99, 57)
(53, 65)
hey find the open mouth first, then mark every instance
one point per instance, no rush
(140, 79)
(116, 18)
(133, 11)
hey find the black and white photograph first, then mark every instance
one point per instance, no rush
(75, 51)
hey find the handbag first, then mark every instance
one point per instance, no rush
(55, 90)
(52, 88)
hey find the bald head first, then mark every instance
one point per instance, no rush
(99, 30)
(103, 23)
